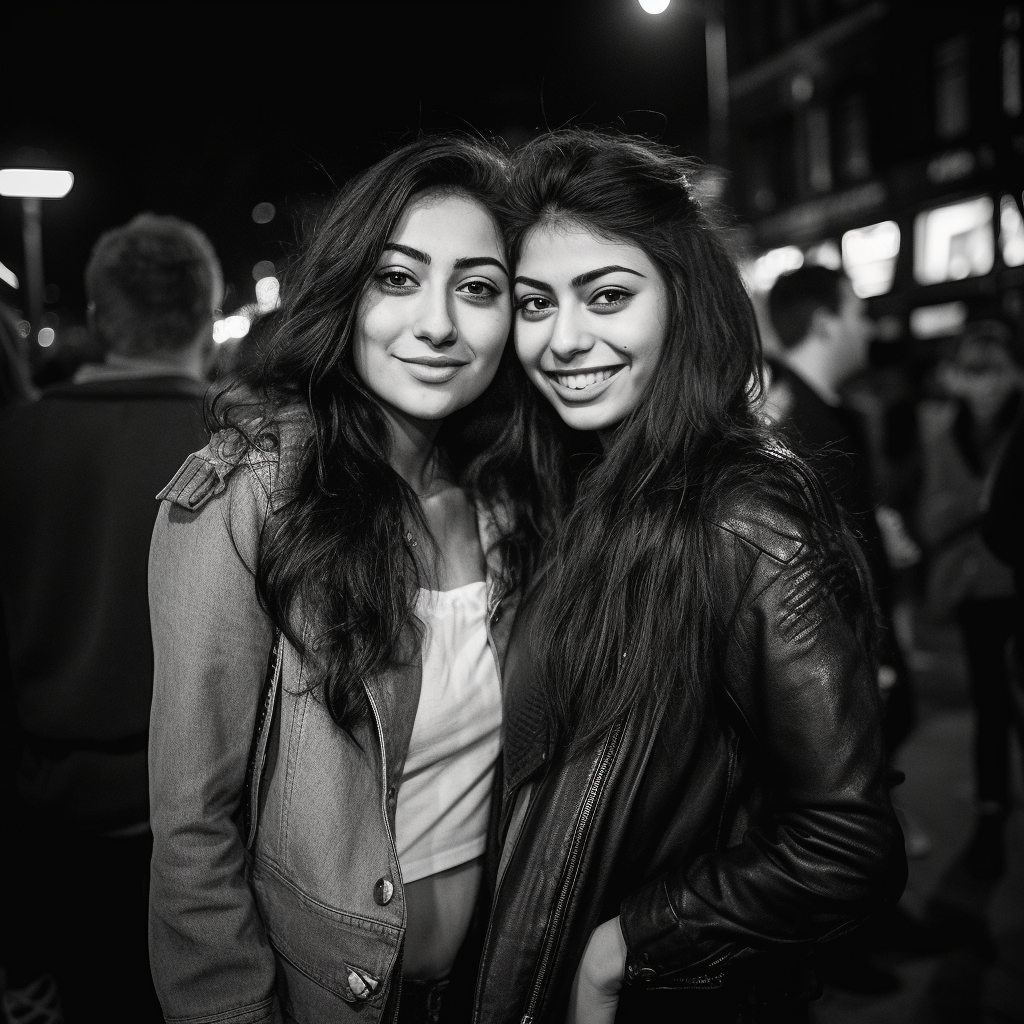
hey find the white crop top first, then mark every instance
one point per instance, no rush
(445, 793)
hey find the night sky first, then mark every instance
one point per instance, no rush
(204, 112)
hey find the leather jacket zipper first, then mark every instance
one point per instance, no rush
(571, 867)
(396, 978)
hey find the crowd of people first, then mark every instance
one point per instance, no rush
(503, 636)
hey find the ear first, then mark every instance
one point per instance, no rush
(825, 325)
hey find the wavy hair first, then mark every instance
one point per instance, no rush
(625, 614)
(335, 570)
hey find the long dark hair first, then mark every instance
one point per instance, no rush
(626, 612)
(335, 570)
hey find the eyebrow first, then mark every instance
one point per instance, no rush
(593, 275)
(460, 264)
(578, 282)
(408, 250)
(480, 261)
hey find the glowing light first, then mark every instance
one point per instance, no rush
(268, 294)
(869, 257)
(801, 88)
(955, 241)
(34, 183)
(655, 6)
(46, 337)
(8, 276)
(1011, 232)
(263, 213)
(263, 269)
(231, 328)
(938, 321)
(766, 270)
(824, 254)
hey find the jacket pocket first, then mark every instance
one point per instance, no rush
(349, 958)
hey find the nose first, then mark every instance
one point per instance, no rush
(434, 322)
(568, 339)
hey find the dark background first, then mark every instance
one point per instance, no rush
(205, 112)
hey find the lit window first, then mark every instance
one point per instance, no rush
(869, 257)
(938, 321)
(1011, 232)
(765, 270)
(953, 242)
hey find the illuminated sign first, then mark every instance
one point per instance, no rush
(954, 242)
(869, 257)
(1011, 232)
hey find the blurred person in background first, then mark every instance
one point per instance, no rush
(963, 435)
(1002, 528)
(824, 332)
(84, 464)
(15, 376)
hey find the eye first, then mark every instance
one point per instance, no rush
(611, 297)
(532, 307)
(479, 289)
(395, 280)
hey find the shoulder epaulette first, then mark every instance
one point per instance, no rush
(204, 474)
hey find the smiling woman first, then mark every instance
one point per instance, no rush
(328, 580)
(695, 787)
(593, 365)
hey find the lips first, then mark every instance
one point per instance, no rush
(432, 360)
(580, 380)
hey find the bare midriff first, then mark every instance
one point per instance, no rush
(439, 909)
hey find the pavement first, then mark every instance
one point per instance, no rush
(979, 978)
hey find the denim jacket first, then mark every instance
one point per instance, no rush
(305, 924)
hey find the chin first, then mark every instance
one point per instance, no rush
(586, 419)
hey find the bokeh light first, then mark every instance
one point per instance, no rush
(263, 213)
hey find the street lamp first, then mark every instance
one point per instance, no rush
(713, 12)
(31, 185)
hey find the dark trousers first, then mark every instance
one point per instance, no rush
(987, 626)
(75, 906)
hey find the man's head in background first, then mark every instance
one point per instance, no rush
(821, 322)
(153, 286)
(984, 368)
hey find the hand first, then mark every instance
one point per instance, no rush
(595, 990)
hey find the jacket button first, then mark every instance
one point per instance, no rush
(383, 891)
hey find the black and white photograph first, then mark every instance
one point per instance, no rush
(512, 513)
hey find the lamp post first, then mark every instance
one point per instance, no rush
(713, 12)
(32, 185)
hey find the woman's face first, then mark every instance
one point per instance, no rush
(591, 321)
(433, 321)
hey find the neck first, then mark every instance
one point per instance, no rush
(812, 362)
(413, 449)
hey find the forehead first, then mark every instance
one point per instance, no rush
(453, 226)
(565, 249)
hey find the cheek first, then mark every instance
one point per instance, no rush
(530, 344)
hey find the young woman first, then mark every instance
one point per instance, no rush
(695, 788)
(327, 595)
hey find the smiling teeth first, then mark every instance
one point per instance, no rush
(579, 381)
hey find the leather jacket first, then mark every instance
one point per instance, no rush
(729, 841)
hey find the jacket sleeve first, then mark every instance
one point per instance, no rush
(827, 850)
(210, 957)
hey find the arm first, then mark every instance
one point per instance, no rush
(827, 850)
(209, 952)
